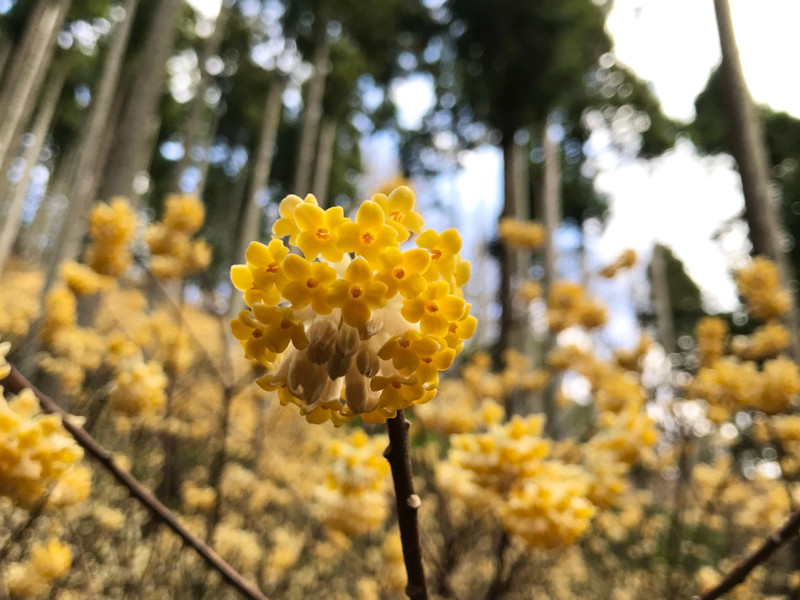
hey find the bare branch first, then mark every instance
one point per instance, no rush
(407, 505)
(743, 569)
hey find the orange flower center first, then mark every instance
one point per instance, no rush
(286, 324)
(436, 254)
(272, 267)
(427, 360)
(404, 343)
(399, 273)
(432, 307)
(367, 237)
(312, 283)
(396, 215)
(356, 291)
(453, 327)
(323, 234)
(257, 333)
(396, 385)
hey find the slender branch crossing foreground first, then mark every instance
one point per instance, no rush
(408, 503)
(742, 570)
(16, 382)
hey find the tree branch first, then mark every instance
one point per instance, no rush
(407, 505)
(16, 382)
(742, 570)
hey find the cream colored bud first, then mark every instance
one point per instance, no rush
(338, 365)
(321, 337)
(357, 393)
(373, 326)
(347, 343)
(367, 362)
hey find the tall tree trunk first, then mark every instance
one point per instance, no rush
(197, 126)
(6, 48)
(322, 169)
(551, 217)
(747, 141)
(661, 299)
(507, 255)
(27, 71)
(312, 114)
(131, 150)
(83, 183)
(250, 223)
(205, 163)
(41, 125)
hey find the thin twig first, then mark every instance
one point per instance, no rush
(16, 382)
(407, 505)
(739, 573)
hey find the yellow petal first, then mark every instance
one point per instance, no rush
(241, 278)
(451, 307)
(355, 313)
(402, 199)
(450, 241)
(358, 271)
(416, 260)
(258, 254)
(370, 215)
(309, 217)
(412, 309)
(296, 268)
(288, 205)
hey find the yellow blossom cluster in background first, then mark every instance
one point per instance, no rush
(353, 500)
(568, 305)
(174, 253)
(624, 261)
(521, 235)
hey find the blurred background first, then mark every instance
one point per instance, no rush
(612, 173)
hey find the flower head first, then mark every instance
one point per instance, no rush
(347, 322)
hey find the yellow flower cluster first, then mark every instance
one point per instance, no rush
(729, 385)
(356, 325)
(624, 261)
(112, 228)
(353, 501)
(760, 285)
(543, 502)
(83, 281)
(457, 410)
(568, 305)
(36, 452)
(17, 312)
(712, 336)
(138, 388)
(529, 291)
(521, 235)
(174, 253)
(767, 341)
(631, 360)
(33, 577)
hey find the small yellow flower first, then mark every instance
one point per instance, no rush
(399, 210)
(286, 224)
(319, 231)
(402, 271)
(444, 249)
(435, 309)
(282, 327)
(397, 392)
(307, 282)
(358, 293)
(369, 236)
(252, 335)
(258, 278)
(461, 330)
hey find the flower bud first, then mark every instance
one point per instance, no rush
(367, 362)
(321, 336)
(347, 343)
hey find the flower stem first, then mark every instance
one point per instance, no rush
(408, 503)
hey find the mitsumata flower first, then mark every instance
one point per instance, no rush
(345, 320)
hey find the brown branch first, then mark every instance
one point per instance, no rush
(407, 505)
(16, 382)
(742, 570)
